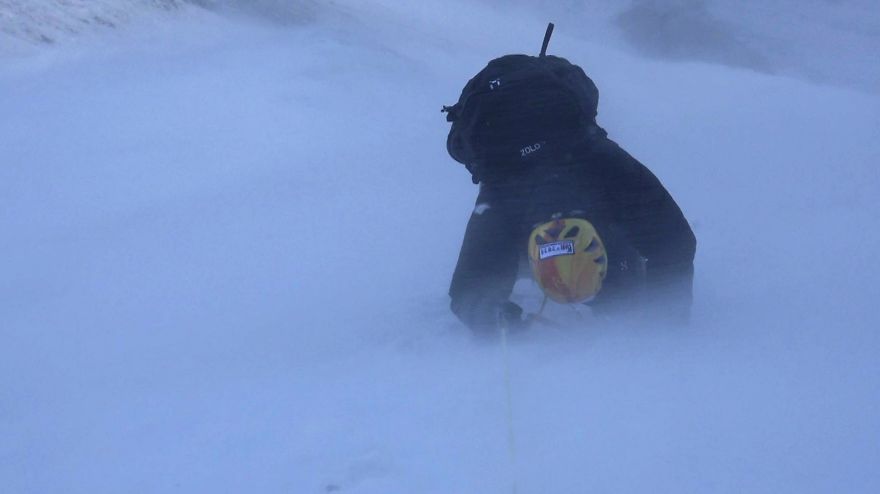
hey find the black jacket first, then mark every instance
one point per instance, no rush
(649, 243)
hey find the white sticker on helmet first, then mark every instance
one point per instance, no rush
(553, 249)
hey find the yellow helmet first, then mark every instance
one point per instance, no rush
(568, 259)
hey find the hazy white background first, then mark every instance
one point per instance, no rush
(228, 230)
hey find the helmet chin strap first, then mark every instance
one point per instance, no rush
(543, 304)
(538, 316)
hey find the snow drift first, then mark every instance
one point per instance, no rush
(226, 248)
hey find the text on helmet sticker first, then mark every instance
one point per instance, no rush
(553, 249)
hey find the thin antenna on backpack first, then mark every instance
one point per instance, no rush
(547, 39)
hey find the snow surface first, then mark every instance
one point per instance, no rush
(226, 246)
(24, 23)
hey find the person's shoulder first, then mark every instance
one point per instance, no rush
(600, 151)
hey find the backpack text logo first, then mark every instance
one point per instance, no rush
(530, 149)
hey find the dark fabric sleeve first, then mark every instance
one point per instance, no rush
(655, 226)
(487, 265)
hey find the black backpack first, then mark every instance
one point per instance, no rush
(519, 108)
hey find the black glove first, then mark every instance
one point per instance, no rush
(510, 317)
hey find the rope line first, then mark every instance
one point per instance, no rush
(511, 437)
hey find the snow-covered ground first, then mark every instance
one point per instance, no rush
(226, 245)
(28, 23)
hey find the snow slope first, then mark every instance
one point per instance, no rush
(827, 41)
(226, 247)
(25, 23)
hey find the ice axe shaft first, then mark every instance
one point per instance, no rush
(547, 39)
